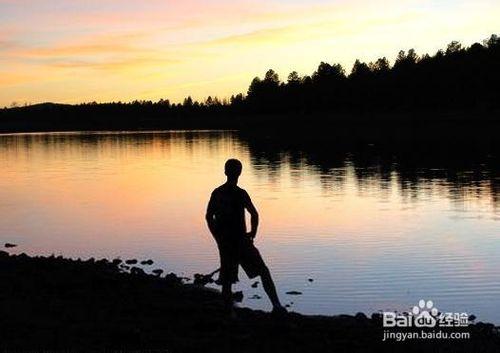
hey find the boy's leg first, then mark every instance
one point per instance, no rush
(254, 265)
(270, 288)
(227, 294)
(228, 265)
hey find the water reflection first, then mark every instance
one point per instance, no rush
(377, 223)
(419, 168)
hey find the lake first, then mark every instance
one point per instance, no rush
(376, 225)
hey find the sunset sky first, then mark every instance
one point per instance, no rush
(105, 50)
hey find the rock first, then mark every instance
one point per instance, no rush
(131, 262)
(102, 262)
(238, 296)
(173, 278)
(376, 317)
(198, 279)
(158, 271)
(147, 262)
(23, 257)
(202, 280)
(137, 271)
(294, 292)
(472, 317)
(485, 327)
(255, 284)
(116, 262)
(10, 245)
(310, 279)
(255, 296)
(360, 317)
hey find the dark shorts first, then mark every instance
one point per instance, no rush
(240, 252)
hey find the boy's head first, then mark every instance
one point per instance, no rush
(232, 168)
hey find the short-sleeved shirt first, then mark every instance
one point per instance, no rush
(227, 204)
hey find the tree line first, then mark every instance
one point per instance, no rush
(455, 79)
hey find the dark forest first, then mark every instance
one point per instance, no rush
(455, 84)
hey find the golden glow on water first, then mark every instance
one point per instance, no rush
(368, 241)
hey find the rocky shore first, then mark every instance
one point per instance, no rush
(59, 304)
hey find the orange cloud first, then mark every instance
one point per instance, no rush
(11, 78)
(199, 48)
(112, 65)
(89, 45)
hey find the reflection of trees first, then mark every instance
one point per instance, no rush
(91, 145)
(417, 167)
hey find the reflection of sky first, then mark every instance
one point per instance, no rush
(367, 247)
(72, 51)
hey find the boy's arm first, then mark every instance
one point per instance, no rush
(254, 216)
(209, 216)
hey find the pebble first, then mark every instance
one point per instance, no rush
(158, 271)
(137, 271)
(238, 296)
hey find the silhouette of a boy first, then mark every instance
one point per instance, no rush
(226, 221)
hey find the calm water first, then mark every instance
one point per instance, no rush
(376, 227)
